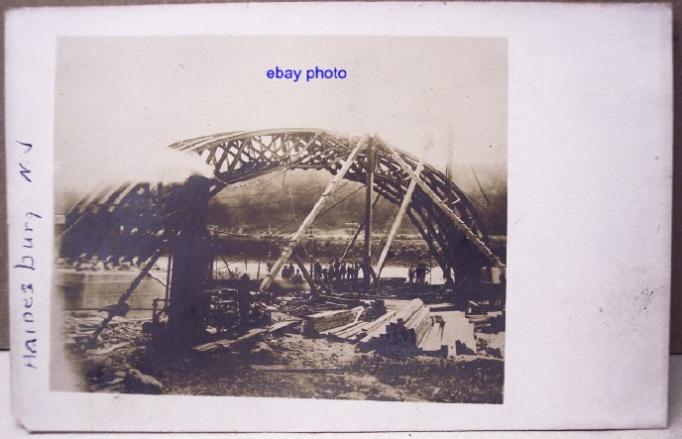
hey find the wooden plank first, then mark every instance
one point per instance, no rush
(255, 332)
(391, 318)
(420, 323)
(282, 325)
(457, 328)
(380, 323)
(226, 344)
(408, 310)
(334, 331)
(438, 307)
(326, 320)
(353, 329)
(407, 199)
(432, 341)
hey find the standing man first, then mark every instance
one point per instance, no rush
(317, 269)
(421, 273)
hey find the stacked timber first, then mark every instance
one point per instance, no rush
(416, 329)
(410, 332)
(432, 342)
(458, 334)
(325, 320)
(361, 330)
(402, 332)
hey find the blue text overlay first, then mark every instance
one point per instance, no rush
(309, 74)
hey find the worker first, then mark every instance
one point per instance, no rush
(317, 271)
(421, 272)
(298, 279)
(244, 298)
(410, 273)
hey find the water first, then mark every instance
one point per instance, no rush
(257, 269)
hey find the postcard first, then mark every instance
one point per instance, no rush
(292, 217)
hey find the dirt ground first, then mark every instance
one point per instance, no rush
(298, 366)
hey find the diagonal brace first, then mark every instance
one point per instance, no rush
(457, 221)
(296, 237)
(407, 199)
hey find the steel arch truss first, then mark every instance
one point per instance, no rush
(133, 219)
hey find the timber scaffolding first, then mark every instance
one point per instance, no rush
(143, 221)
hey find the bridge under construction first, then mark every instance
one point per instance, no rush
(145, 221)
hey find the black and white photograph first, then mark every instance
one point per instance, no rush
(209, 245)
(339, 217)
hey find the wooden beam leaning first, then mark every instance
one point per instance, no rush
(296, 237)
(369, 185)
(458, 222)
(400, 215)
(306, 275)
(359, 229)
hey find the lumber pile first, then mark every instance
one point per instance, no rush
(415, 329)
(439, 307)
(406, 331)
(325, 320)
(78, 329)
(361, 331)
(432, 342)
(458, 334)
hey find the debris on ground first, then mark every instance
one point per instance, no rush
(313, 346)
(262, 353)
(137, 382)
(322, 321)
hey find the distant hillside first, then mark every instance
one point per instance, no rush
(280, 202)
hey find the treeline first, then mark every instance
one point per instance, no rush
(281, 201)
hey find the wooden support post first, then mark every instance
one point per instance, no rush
(121, 307)
(296, 237)
(369, 184)
(457, 221)
(399, 216)
(359, 229)
(306, 274)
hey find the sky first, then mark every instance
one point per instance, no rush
(122, 100)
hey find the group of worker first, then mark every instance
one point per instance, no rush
(289, 272)
(335, 271)
(418, 274)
